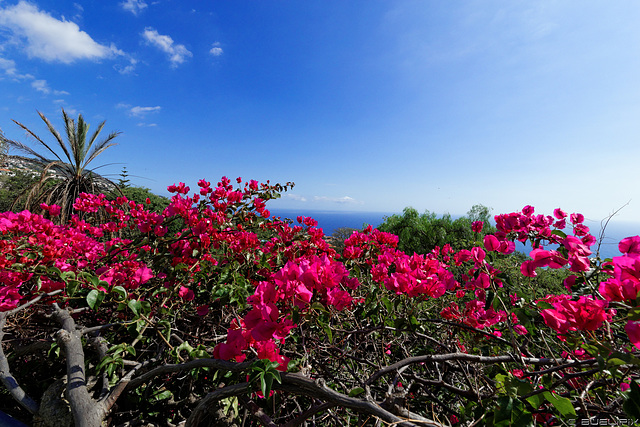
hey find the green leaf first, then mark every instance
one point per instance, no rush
(356, 391)
(634, 314)
(160, 395)
(490, 296)
(54, 271)
(318, 306)
(544, 305)
(631, 405)
(505, 406)
(562, 404)
(120, 292)
(72, 287)
(387, 304)
(135, 306)
(94, 298)
(536, 400)
(67, 275)
(105, 361)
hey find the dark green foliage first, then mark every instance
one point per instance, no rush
(141, 194)
(421, 233)
(124, 180)
(339, 236)
(155, 203)
(12, 186)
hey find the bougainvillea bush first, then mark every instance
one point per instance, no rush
(242, 318)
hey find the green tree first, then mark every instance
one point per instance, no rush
(339, 236)
(124, 180)
(69, 174)
(421, 233)
(13, 185)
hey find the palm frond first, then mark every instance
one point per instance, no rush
(61, 182)
(37, 138)
(99, 149)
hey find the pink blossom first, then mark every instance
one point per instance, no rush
(142, 275)
(577, 218)
(202, 310)
(559, 213)
(491, 243)
(633, 331)
(9, 297)
(630, 246)
(520, 330)
(476, 226)
(186, 294)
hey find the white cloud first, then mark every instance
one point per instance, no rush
(216, 50)
(51, 39)
(142, 111)
(128, 69)
(340, 200)
(295, 197)
(9, 67)
(177, 52)
(42, 86)
(134, 6)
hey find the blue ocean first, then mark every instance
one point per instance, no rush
(329, 221)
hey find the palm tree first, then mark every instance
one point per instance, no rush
(62, 180)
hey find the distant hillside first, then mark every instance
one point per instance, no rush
(18, 163)
(12, 164)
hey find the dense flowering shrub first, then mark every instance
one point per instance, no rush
(253, 308)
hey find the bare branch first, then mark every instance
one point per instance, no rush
(8, 380)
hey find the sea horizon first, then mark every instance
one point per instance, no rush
(330, 220)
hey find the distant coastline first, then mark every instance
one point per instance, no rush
(329, 221)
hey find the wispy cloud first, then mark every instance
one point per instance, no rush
(43, 86)
(216, 50)
(9, 67)
(143, 111)
(138, 111)
(295, 197)
(127, 69)
(339, 200)
(177, 53)
(134, 6)
(51, 39)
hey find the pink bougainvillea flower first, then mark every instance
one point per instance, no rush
(630, 246)
(633, 331)
(520, 330)
(491, 243)
(585, 314)
(478, 255)
(528, 269)
(186, 294)
(577, 218)
(142, 275)
(54, 210)
(9, 297)
(559, 213)
(477, 226)
(569, 282)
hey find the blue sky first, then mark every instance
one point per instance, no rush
(365, 105)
